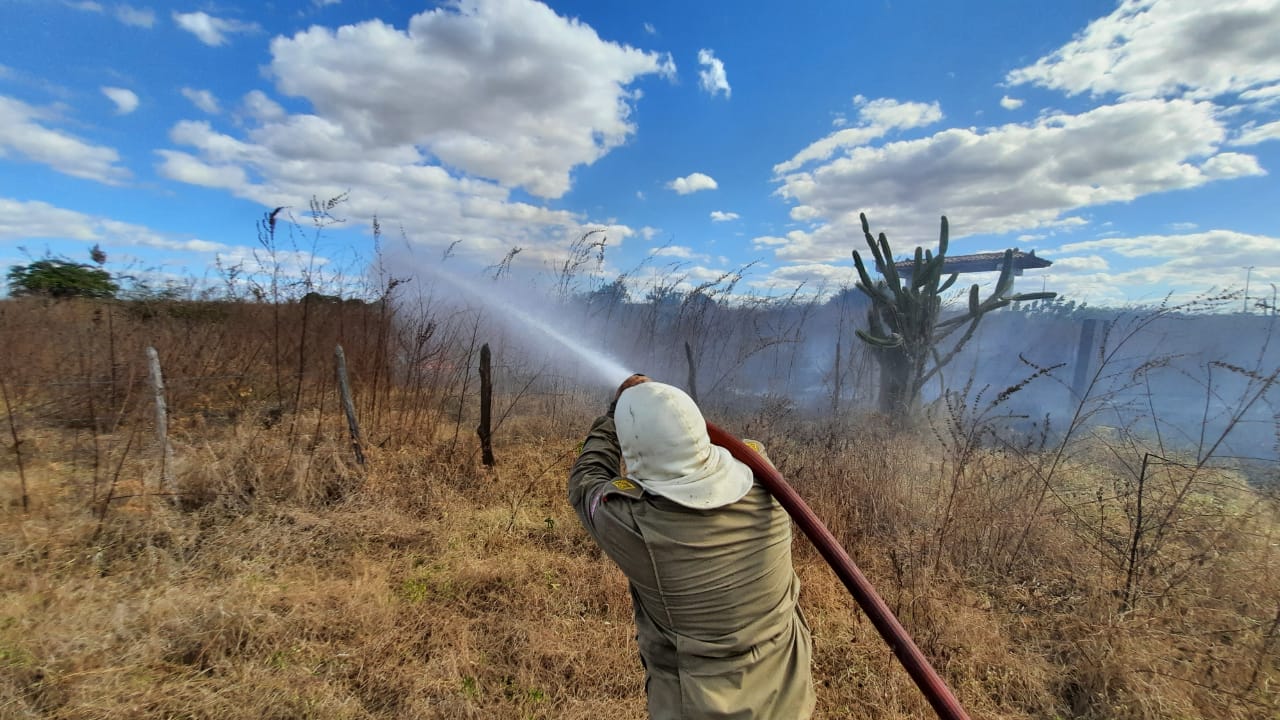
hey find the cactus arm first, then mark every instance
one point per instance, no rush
(890, 272)
(865, 284)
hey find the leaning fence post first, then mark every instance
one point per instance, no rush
(486, 406)
(17, 445)
(1084, 351)
(162, 422)
(348, 407)
(693, 372)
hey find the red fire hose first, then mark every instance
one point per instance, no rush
(925, 677)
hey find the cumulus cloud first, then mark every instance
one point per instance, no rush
(34, 219)
(500, 89)
(1186, 263)
(1149, 49)
(692, 183)
(1015, 177)
(287, 161)
(202, 99)
(813, 275)
(719, 216)
(712, 76)
(804, 213)
(137, 17)
(876, 118)
(210, 30)
(189, 169)
(258, 106)
(24, 130)
(1081, 263)
(1009, 103)
(126, 100)
(1252, 133)
(680, 251)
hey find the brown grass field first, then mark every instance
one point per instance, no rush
(286, 581)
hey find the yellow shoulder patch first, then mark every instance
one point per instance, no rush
(754, 446)
(623, 486)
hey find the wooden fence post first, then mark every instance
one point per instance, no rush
(17, 445)
(693, 372)
(1084, 352)
(348, 407)
(486, 407)
(162, 422)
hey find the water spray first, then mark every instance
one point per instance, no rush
(609, 370)
(606, 369)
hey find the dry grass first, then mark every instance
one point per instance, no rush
(287, 582)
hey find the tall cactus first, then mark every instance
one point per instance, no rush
(903, 323)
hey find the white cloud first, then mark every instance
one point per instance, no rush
(1149, 49)
(287, 161)
(712, 76)
(648, 233)
(680, 251)
(1016, 177)
(1083, 263)
(524, 99)
(137, 17)
(1185, 264)
(1252, 134)
(325, 3)
(202, 99)
(186, 168)
(127, 14)
(212, 30)
(718, 216)
(22, 130)
(1229, 165)
(1204, 250)
(1009, 103)
(692, 183)
(37, 220)
(813, 275)
(875, 119)
(804, 213)
(1263, 97)
(262, 108)
(650, 29)
(126, 100)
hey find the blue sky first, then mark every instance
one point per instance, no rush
(1135, 144)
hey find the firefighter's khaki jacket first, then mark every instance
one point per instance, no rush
(720, 634)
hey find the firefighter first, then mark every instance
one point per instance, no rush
(707, 553)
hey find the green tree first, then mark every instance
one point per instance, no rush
(910, 339)
(62, 278)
